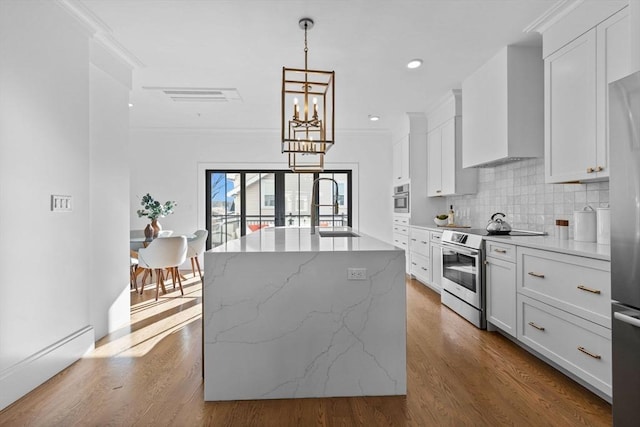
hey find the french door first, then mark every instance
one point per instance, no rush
(240, 202)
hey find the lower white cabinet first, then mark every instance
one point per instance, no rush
(420, 267)
(578, 345)
(401, 237)
(435, 250)
(501, 294)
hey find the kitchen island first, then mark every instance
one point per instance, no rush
(284, 319)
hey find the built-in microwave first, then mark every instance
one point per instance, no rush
(401, 198)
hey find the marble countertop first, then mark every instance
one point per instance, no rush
(286, 239)
(547, 243)
(550, 243)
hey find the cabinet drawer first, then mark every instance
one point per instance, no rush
(501, 251)
(401, 241)
(419, 241)
(581, 286)
(435, 236)
(420, 267)
(401, 229)
(577, 345)
(401, 220)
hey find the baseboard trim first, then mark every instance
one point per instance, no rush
(24, 376)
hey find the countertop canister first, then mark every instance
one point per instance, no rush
(584, 222)
(603, 219)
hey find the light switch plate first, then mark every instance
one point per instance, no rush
(60, 203)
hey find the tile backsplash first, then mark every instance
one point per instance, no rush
(518, 190)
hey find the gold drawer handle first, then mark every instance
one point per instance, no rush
(422, 241)
(588, 353)
(541, 276)
(540, 328)
(438, 191)
(590, 170)
(500, 251)
(423, 268)
(599, 169)
(414, 240)
(413, 263)
(593, 291)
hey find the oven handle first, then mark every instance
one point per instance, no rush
(400, 196)
(468, 252)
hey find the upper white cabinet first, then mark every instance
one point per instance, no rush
(445, 175)
(401, 161)
(576, 91)
(503, 116)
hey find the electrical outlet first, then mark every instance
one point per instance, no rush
(356, 273)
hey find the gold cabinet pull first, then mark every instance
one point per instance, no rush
(540, 328)
(414, 240)
(593, 291)
(500, 251)
(588, 353)
(413, 263)
(423, 268)
(438, 191)
(599, 169)
(590, 170)
(541, 276)
(486, 262)
(423, 242)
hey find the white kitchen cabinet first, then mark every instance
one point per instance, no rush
(435, 257)
(581, 286)
(445, 175)
(401, 238)
(575, 344)
(501, 288)
(401, 155)
(564, 312)
(503, 108)
(576, 93)
(420, 254)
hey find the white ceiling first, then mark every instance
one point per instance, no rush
(244, 44)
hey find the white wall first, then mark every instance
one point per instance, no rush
(109, 196)
(46, 277)
(166, 163)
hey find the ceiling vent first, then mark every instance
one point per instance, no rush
(198, 94)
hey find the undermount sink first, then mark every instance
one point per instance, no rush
(337, 233)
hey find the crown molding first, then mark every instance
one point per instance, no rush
(552, 15)
(99, 30)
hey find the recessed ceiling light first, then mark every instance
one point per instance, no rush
(130, 105)
(414, 63)
(374, 118)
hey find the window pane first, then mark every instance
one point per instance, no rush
(253, 204)
(306, 182)
(291, 200)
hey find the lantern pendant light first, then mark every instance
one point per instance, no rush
(307, 113)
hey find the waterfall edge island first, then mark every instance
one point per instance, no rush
(287, 314)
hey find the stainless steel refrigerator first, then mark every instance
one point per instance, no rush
(624, 191)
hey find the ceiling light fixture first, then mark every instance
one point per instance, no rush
(307, 113)
(414, 63)
(374, 118)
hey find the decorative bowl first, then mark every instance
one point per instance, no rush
(440, 222)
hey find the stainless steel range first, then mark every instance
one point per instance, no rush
(463, 275)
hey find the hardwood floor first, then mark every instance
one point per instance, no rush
(149, 373)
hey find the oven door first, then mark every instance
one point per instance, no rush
(462, 274)
(401, 203)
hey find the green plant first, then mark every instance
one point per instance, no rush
(154, 209)
(442, 216)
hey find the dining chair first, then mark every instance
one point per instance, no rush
(165, 253)
(195, 248)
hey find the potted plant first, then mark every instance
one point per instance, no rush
(153, 210)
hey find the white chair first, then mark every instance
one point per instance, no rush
(195, 248)
(164, 253)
